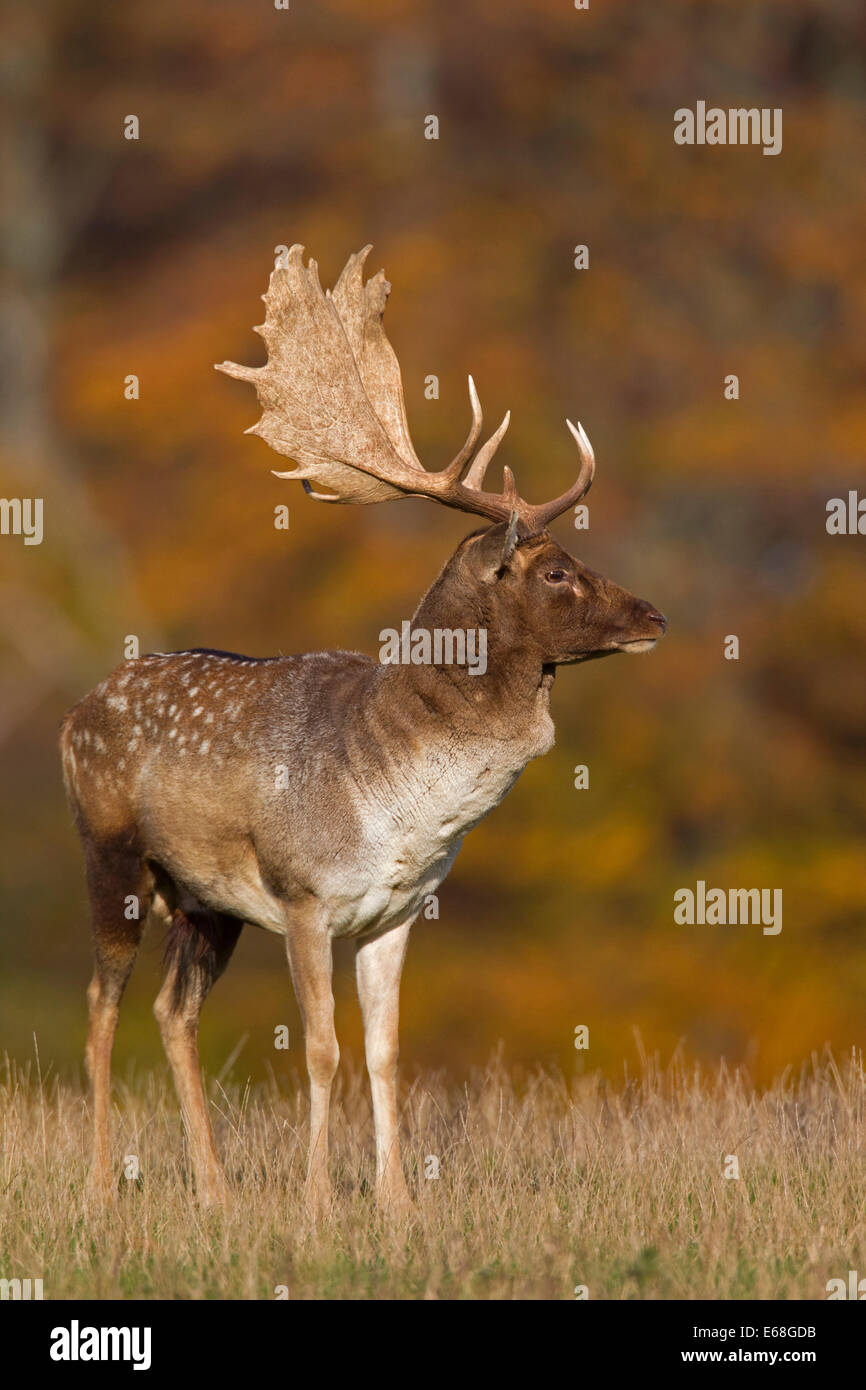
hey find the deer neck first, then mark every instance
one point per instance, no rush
(509, 704)
(449, 746)
(491, 706)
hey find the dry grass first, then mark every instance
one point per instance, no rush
(545, 1184)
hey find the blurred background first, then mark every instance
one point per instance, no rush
(259, 128)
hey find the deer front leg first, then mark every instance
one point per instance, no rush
(379, 965)
(311, 964)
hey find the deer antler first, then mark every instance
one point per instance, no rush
(332, 400)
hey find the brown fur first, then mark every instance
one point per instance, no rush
(197, 949)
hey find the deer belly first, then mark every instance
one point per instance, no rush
(232, 884)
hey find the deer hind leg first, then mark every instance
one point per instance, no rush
(311, 963)
(198, 950)
(378, 966)
(120, 887)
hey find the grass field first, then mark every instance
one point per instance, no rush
(545, 1184)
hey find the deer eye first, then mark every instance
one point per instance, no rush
(555, 576)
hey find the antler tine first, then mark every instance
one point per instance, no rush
(475, 477)
(459, 461)
(512, 497)
(540, 516)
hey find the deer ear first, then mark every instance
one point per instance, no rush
(493, 553)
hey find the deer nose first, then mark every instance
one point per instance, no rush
(653, 615)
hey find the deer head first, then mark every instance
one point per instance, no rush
(332, 400)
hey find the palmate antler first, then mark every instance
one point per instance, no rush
(332, 400)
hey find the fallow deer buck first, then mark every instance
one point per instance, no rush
(325, 795)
